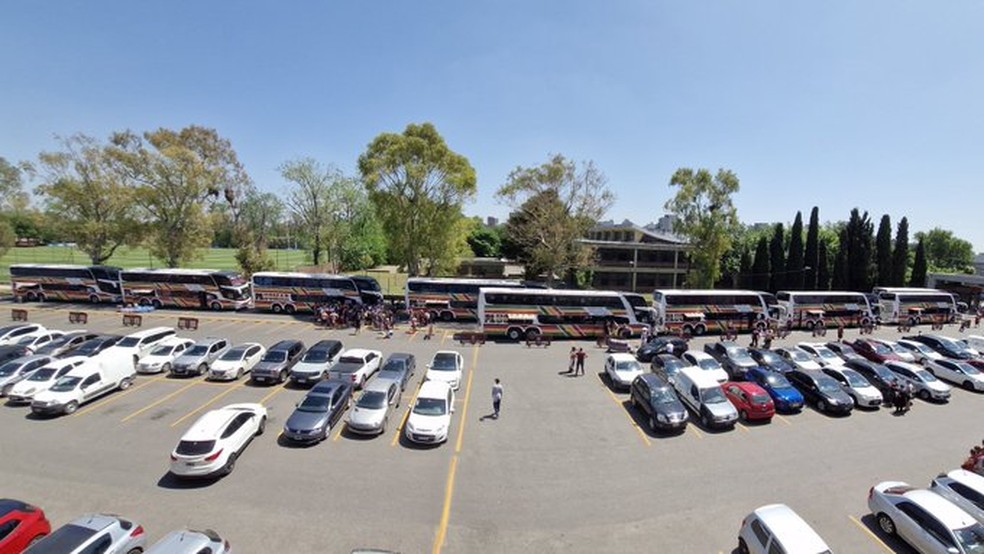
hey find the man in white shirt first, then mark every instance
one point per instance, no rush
(496, 398)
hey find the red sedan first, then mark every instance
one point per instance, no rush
(875, 351)
(20, 525)
(751, 401)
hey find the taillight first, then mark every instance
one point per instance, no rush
(214, 457)
(138, 531)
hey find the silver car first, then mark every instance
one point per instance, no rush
(371, 413)
(189, 541)
(18, 369)
(93, 533)
(198, 357)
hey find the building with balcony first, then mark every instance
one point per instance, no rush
(639, 259)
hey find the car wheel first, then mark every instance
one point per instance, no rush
(822, 406)
(743, 415)
(283, 376)
(262, 427)
(166, 368)
(742, 547)
(71, 407)
(202, 368)
(230, 464)
(886, 524)
(968, 385)
(239, 374)
(135, 551)
(924, 394)
(125, 383)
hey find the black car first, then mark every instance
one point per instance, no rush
(399, 367)
(654, 398)
(276, 364)
(735, 359)
(661, 345)
(667, 365)
(66, 344)
(770, 360)
(319, 412)
(844, 350)
(369, 289)
(96, 345)
(877, 374)
(822, 390)
(946, 347)
(11, 351)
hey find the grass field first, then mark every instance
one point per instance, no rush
(214, 258)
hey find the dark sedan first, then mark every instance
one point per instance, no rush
(875, 351)
(945, 346)
(96, 345)
(655, 400)
(399, 367)
(878, 375)
(667, 365)
(661, 345)
(13, 351)
(770, 360)
(823, 391)
(735, 359)
(276, 363)
(319, 412)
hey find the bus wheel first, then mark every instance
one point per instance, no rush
(41, 297)
(157, 304)
(31, 297)
(532, 333)
(290, 309)
(94, 299)
(514, 334)
(143, 302)
(810, 325)
(277, 308)
(688, 330)
(447, 317)
(700, 330)
(215, 305)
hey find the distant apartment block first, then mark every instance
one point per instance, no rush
(633, 258)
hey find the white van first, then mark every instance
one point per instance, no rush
(703, 395)
(777, 528)
(139, 344)
(83, 384)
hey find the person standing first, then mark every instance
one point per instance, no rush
(579, 365)
(496, 398)
(570, 365)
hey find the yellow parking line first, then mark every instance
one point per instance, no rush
(442, 529)
(338, 434)
(784, 420)
(271, 394)
(159, 402)
(445, 337)
(406, 415)
(873, 536)
(642, 434)
(464, 411)
(696, 429)
(116, 397)
(213, 400)
(741, 427)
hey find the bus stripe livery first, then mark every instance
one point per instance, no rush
(810, 309)
(67, 283)
(519, 313)
(185, 288)
(301, 292)
(450, 299)
(914, 306)
(695, 312)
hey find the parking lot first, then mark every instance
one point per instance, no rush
(567, 467)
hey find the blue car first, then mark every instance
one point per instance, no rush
(784, 395)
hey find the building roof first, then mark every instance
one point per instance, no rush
(649, 230)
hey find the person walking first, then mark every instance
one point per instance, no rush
(579, 365)
(570, 365)
(496, 398)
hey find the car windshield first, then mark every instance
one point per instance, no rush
(197, 350)
(314, 403)
(708, 364)
(628, 365)
(395, 366)
(233, 355)
(444, 362)
(769, 357)
(663, 396)
(881, 348)
(855, 379)
(899, 349)
(27, 341)
(884, 373)
(759, 398)
(971, 538)
(827, 354)
(673, 365)
(9, 368)
(966, 368)
(162, 350)
(430, 407)
(740, 355)
(90, 347)
(372, 400)
(828, 385)
(315, 356)
(777, 381)
(799, 356)
(275, 356)
(713, 396)
(925, 375)
(194, 448)
(43, 374)
(66, 384)
(129, 341)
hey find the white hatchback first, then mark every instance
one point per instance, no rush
(957, 372)
(236, 361)
(161, 357)
(622, 369)
(447, 366)
(43, 378)
(430, 417)
(213, 443)
(777, 528)
(706, 363)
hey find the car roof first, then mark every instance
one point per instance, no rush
(327, 386)
(357, 352)
(792, 531)
(208, 341)
(185, 540)
(746, 386)
(948, 513)
(380, 385)
(283, 344)
(96, 522)
(968, 478)
(622, 357)
(433, 389)
(699, 355)
(214, 421)
(699, 377)
(325, 344)
(59, 363)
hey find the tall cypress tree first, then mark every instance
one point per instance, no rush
(857, 251)
(823, 268)
(900, 256)
(794, 263)
(812, 257)
(840, 277)
(919, 268)
(759, 279)
(883, 252)
(777, 259)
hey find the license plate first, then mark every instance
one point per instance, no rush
(301, 380)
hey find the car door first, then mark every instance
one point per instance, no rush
(90, 387)
(252, 356)
(641, 397)
(395, 394)
(911, 527)
(239, 431)
(335, 409)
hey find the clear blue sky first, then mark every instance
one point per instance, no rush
(874, 103)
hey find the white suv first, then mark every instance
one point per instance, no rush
(777, 528)
(140, 344)
(213, 443)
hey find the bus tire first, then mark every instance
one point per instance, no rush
(290, 309)
(810, 324)
(277, 308)
(532, 333)
(157, 304)
(687, 330)
(215, 305)
(41, 297)
(514, 334)
(143, 302)
(31, 297)
(447, 317)
(699, 330)
(93, 299)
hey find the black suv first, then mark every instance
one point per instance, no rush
(277, 362)
(655, 400)
(733, 358)
(878, 375)
(825, 393)
(946, 347)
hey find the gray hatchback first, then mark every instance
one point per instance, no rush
(199, 356)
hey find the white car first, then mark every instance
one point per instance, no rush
(902, 352)
(924, 383)
(777, 528)
(920, 351)
(957, 372)
(161, 357)
(139, 344)
(213, 443)
(430, 417)
(42, 379)
(825, 356)
(622, 369)
(33, 342)
(83, 384)
(18, 369)
(864, 394)
(94, 533)
(928, 522)
(236, 361)
(371, 413)
(799, 358)
(13, 333)
(963, 488)
(706, 363)
(190, 541)
(356, 366)
(447, 366)
(974, 343)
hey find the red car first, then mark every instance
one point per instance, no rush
(875, 351)
(751, 401)
(20, 525)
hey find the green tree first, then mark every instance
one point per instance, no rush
(418, 186)
(707, 217)
(946, 253)
(794, 262)
(900, 255)
(777, 259)
(484, 241)
(811, 258)
(883, 252)
(177, 174)
(761, 266)
(88, 198)
(262, 214)
(823, 267)
(841, 277)
(574, 199)
(12, 195)
(920, 266)
(365, 246)
(858, 250)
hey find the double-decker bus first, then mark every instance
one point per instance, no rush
(450, 299)
(810, 309)
(518, 313)
(914, 306)
(644, 312)
(71, 283)
(301, 292)
(185, 288)
(695, 312)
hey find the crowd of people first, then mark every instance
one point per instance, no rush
(975, 462)
(379, 317)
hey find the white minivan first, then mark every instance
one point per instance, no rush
(139, 344)
(83, 384)
(703, 395)
(777, 528)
